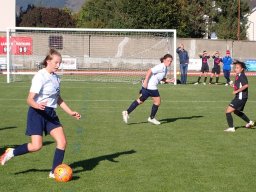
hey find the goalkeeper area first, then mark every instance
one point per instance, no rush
(189, 151)
(105, 55)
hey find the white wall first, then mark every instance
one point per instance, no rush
(7, 14)
(251, 31)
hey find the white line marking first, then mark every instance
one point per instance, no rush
(114, 100)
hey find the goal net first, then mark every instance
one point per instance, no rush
(108, 55)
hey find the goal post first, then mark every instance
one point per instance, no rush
(108, 55)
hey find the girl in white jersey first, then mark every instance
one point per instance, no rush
(149, 88)
(43, 98)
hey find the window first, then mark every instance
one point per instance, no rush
(56, 42)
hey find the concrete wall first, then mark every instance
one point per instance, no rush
(126, 52)
(239, 49)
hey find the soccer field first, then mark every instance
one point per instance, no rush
(189, 151)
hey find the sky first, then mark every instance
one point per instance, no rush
(75, 5)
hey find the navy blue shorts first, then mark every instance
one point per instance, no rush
(41, 121)
(146, 93)
(238, 104)
(205, 68)
(216, 70)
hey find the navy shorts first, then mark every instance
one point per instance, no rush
(146, 93)
(238, 104)
(216, 70)
(41, 121)
(205, 68)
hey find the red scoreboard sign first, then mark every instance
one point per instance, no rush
(19, 45)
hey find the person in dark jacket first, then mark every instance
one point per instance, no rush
(184, 60)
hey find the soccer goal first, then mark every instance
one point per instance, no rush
(107, 55)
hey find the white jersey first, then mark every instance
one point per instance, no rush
(158, 73)
(47, 88)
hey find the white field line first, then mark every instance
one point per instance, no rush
(114, 100)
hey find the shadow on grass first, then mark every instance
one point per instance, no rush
(2, 149)
(170, 120)
(243, 127)
(86, 165)
(5, 128)
(138, 123)
(90, 164)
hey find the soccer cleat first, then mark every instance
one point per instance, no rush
(125, 116)
(250, 124)
(51, 175)
(204, 83)
(231, 83)
(230, 129)
(8, 154)
(226, 84)
(154, 121)
(196, 83)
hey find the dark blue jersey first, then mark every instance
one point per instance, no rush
(240, 81)
(204, 59)
(216, 61)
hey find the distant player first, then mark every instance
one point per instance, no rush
(241, 95)
(227, 62)
(149, 88)
(184, 61)
(216, 67)
(204, 68)
(43, 98)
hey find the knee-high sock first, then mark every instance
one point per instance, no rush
(210, 80)
(205, 78)
(132, 106)
(229, 119)
(58, 158)
(21, 150)
(242, 116)
(198, 80)
(153, 111)
(217, 79)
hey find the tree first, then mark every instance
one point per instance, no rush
(226, 22)
(185, 16)
(193, 18)
(45, 17)
(139, 14)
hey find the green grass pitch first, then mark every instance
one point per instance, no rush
(189, 151)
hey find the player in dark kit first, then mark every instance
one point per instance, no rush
(216, 68)
(204, 68)
(241, 96)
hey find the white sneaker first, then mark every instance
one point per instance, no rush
(204, 83)
(51, 175)
(231, 83)
(230, 129)
(196, 83)
(250, 124)
(226, 84)
(125, 116)
(8, 154)
(154, 121)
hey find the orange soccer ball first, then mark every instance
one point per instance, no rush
(63, 173)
